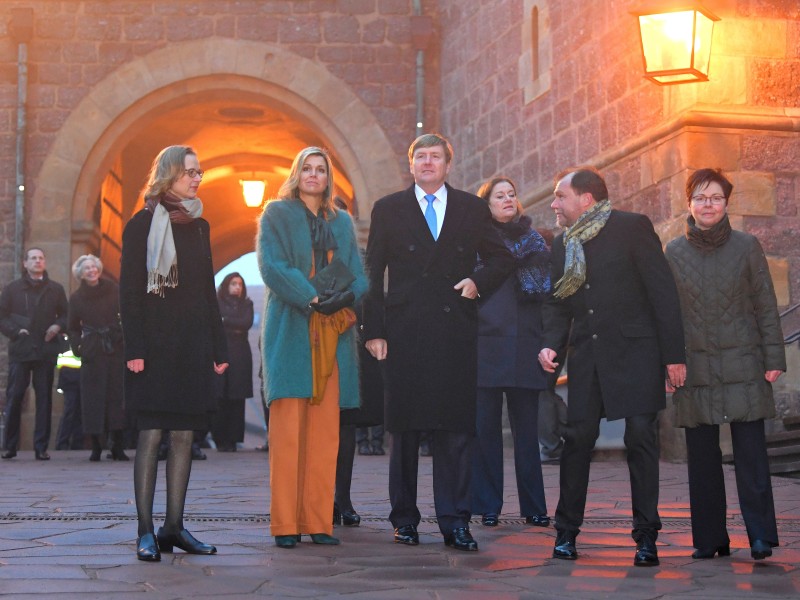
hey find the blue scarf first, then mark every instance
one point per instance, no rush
(531, 256)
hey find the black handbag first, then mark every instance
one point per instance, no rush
(334, 277)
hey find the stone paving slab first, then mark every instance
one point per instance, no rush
(68, 527)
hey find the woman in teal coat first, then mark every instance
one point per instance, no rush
(309, 344)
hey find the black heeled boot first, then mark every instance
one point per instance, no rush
(97, 449)
(117, 447)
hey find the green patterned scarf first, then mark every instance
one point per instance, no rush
(585, 228)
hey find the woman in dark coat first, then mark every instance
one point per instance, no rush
(96, 336)
(174, 342)
(734, 353)
(509, 338)
(236, 383)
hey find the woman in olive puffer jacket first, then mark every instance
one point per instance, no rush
(734, 352)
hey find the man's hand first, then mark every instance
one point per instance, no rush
(676, 376)
(136, 365)
(377, 348)
(52, 332)
(547, 356)
(220, 369)
(468, 288)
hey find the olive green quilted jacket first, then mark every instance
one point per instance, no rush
(732, 330)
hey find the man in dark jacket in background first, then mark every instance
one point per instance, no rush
(615, 304)
(33, 313)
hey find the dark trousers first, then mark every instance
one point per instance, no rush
(451, 479)
(70, 430)
(20, 375)
(707, 484)
(641, 443)
(487, 464)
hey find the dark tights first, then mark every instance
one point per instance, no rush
(145, 469)
(344, 467)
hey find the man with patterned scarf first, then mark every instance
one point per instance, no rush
(615, 304)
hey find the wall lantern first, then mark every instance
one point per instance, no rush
(676, 43)
(253, 191)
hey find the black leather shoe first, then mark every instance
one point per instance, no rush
(646, 553)
(351, 518)
(198, 454)
(183, 540)
(378, 451)
(147, 548)
(461, 539)
(43, 455)
(709, 553)
(9, 454)
(565, 547)
(407, 534)
(364, 449)
(490, 520)
(760, 550)
(538, 520)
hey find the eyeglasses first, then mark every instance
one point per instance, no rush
(192, 173)
(716, 199)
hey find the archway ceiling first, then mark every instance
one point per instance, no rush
(236, 137)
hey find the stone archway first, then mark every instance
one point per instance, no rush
(81, 155)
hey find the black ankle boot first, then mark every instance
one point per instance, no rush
(117, 451)
(97, 449)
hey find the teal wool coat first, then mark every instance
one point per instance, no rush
(284, 253)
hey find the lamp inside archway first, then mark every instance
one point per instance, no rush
(676, 42)
(253, 191)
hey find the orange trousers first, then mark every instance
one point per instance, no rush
(303, 445)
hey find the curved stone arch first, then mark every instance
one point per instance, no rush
(82, 152)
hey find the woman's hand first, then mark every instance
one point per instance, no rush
(772, 376)
(136, 365)
(220, 369)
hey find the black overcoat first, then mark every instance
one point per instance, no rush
(430, 329)
(96, 336)
(625, 320)
(179, 335)
(237, 319)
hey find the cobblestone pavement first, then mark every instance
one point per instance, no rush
(68, 527)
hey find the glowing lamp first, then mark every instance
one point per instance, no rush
(253, 191)
(676, 43)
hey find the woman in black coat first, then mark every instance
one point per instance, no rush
(509, 338)
(235, 384)
(174, 342)
(96, 336)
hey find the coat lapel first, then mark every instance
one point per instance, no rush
(414, 221)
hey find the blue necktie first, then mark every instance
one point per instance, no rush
(430, 215)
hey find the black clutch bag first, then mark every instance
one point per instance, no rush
(335, 277)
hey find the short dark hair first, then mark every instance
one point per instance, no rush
(585, 179)
(28, 251)
(702, 178)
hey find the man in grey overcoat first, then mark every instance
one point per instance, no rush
(428, 237)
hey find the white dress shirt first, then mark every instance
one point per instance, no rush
(439, 205)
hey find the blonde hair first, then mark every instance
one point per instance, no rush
(291, 187)
(166, 169)
(429, 140)
(77, 266)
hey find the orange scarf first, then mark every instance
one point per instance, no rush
(324, 331)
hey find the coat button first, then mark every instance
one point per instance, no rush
(446, 308)
(424, 274)
(594, 336)
(411, 248)
(591, 311)
(587, 286)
